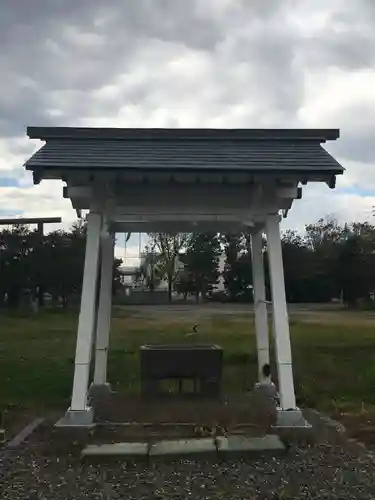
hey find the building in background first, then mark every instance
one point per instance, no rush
(146, 275)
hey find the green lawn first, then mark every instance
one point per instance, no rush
(334, 355)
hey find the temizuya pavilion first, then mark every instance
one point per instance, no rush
(181, 180)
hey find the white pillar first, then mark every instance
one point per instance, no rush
(87, 315)
(260, 305)
(280, 315)
(104, 309)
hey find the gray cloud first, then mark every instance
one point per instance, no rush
(356, 146)
(346, 40)
(345, 50)
(55, 55)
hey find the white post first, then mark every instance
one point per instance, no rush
(260, 305)
(87, 315)
(104, 310)
(280, 315)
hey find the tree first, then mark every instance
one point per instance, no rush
(150, 272)
(343, 259)
(201, 263)
(299, 269)
(238, 277)
(17, 272)
(354, 271)
(168, 247)
(323, 234)
(323, 238)
(54, 261)
(183, 284)
(63, 256)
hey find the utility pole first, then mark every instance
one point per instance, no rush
(39, 222)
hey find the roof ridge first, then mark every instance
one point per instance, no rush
(173, 134)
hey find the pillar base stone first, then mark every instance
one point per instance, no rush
(268, 390)
(291, 419)
(77, 418)
(98, 391)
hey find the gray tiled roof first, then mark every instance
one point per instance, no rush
(190, 150)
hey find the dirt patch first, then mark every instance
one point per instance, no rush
(48, 440)
(208, 419)
(227, 411)
(155, 420)
(360, 427)
(59, 442)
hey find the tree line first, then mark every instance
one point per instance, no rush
(330, 260)
(53, 262)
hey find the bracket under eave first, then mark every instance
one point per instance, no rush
(37, 177)
(332, 182)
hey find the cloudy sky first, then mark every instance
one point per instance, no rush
(190, 63)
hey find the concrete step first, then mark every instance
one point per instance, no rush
(199, 447)
(116, 449)
(183, 447)
(240, 445)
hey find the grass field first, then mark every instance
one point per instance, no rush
(333, 353)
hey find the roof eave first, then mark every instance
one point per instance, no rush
(304, 176)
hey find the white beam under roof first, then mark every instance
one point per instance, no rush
(189, 222)
(184, 208)
(140, 198)
(174, 227)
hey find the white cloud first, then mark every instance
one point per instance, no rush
(43, 200)
(332, 94)
(318, 201)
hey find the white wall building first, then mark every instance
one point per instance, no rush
(129, 274)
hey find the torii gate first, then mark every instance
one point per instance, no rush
(181, 180)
